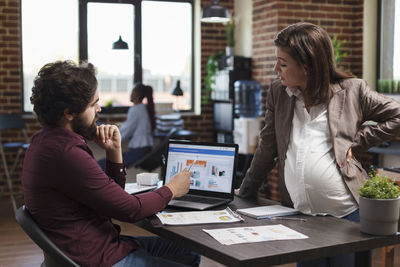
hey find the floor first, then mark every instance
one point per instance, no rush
(17, 250)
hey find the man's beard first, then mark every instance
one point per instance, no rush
(88, 132)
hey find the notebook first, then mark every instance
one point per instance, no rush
(134, 188)
(263, 212)
(213, 166)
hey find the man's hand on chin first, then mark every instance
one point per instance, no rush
(109, 138)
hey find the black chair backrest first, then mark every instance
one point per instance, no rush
(30, 227)
(154, 158)
(11, 121)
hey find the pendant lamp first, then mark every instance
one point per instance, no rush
(214, 13)
(120, 44)
(177, 91)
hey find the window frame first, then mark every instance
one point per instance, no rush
(137, 58)
(380, 42)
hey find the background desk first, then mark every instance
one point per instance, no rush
(328, 236)
(181, 134)
(387, 156)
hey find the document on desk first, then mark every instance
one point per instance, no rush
(252, 234)
(134, 188)
(198, 217)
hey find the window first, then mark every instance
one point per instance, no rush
(389, 45)
(114, 65)
(167, 55)
(159, 34)
(46, 37)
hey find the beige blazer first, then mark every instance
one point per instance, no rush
(352, 104)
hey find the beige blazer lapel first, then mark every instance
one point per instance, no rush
(335, 108)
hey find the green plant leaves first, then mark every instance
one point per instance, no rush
(388, 86)
(338, 52)
(230, 33)
(209, 80)
(378, 187)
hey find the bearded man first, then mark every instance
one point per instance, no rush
(69, 195)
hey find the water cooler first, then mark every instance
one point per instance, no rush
(247, 111)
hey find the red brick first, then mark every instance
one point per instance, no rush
(296, 6)
(11, 80)
(13, 3)
(334, 15)
(10, 10)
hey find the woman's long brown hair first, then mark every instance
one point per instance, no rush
(310, 46)
(143, 91)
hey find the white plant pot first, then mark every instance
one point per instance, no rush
(229, 51)
(379, 216)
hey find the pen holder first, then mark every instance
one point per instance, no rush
(146, 178)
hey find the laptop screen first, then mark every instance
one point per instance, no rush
(213, 165)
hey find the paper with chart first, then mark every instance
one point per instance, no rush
(238, 235)
(197, 217)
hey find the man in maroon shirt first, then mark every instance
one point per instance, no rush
(67, 192)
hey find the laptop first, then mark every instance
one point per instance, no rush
(213, 166)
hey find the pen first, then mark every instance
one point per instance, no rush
(235, 214)
(191, 165)
(287, 218)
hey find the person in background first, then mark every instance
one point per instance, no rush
(70, 197)
(313, 123)
(139, 125)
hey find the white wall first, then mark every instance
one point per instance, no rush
(369, 42)
(243, 31)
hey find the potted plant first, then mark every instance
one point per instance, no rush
(230, 37)
(209, 80)
(379, 205)
(340, 55)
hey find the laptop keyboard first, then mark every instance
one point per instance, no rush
(197, 199)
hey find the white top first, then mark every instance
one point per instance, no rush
(312, 176)
(137, 127)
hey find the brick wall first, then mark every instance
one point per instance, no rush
(10, 57)
(339, 17)
(213, 40)
(10, 75)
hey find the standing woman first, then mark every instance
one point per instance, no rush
(138, 127)
(313, 122)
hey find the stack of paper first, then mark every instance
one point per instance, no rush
(268, 211)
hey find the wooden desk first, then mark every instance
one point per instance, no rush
(391, 175)
(181, 134)
(388, 252)
(328, 236)
(386, 156)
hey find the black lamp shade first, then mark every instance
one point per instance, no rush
(120, 44)
(215, 13)
(177, 91)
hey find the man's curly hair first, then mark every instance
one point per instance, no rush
(62, 85)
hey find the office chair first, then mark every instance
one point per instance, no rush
(53, 256)
(154, 158)
(12, 122)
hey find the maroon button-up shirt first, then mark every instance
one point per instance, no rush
(73, 200)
